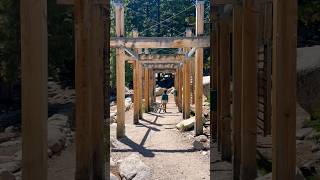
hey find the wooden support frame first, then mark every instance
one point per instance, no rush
(249, 91)
(160, 42)
(34, 107)
(199, 69)
(161, 57)
(284, 89)
(237, 87)
(120, 65)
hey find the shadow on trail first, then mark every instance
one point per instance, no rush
(134, 147)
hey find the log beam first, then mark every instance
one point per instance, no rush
(136, 87)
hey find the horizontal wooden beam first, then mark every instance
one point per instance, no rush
(160, 42)
(162, 57)
(161, 66)
(160, 62)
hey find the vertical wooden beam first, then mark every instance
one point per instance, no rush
(219, 120)
(151, 79)
(96, 74)
(83, 92)
(249, 91)
(186, 82)
(237, 87)
(119, 8)
(180, 90)
(268, 67)
(107, 83)
(146, 90)
(34, 64)
(284, 89)
(213, 81)
(225, 90)
(199, 68)
(136, 87)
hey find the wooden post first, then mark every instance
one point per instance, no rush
(146, 90)
(34, 69)
(186, 82)
(268, 68)
(249, 91)
(180, 90)
(237, 87)
(120, 63)
(225, 90)
(219, 120)
(150, 88)
(199, 68)
(136, 87)
(96, 74)
(284, 89)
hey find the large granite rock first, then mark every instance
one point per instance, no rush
(132, 168)
(188, 124)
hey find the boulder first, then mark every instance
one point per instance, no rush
(201, 138)
(6, 175)
(56, 139)
(58, 120)
(132, 168)
(302, 133)
(188, 124)
(197, 145)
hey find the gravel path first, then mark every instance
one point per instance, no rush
(163, 148)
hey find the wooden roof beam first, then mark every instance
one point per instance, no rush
(160, 42)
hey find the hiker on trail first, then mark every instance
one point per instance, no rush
(164, 100)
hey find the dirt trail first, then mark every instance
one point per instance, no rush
(162, 147)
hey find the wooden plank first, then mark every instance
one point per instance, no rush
(120, 65)
(199, 69)
(237, 87)
(34, 106)
(219, 121)
(225, 91)
(96, 74)
(249, 91)
(150, 85)
(186, 82)
(284, 89)
(160, 42)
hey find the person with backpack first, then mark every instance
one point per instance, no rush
(164, 100)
